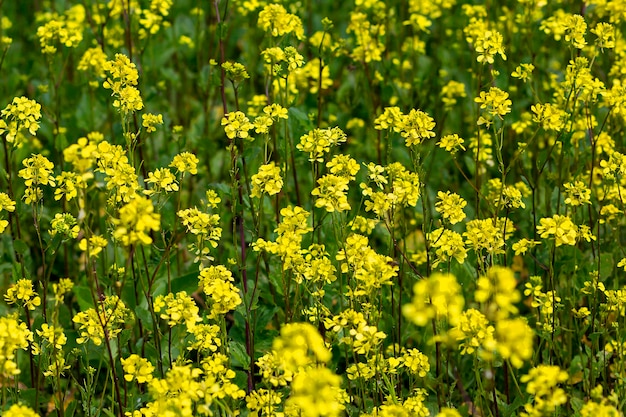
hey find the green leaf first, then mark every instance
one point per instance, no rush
(188, 283)
(607, 265)
(238, 355)
(20, 247)
(144, 315)
(83, 297)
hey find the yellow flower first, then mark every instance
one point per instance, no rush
(121, 80)
(179, 308)
(185, 162)
(438, 296)
(561, 227)
(416, 126)
(496, 103)
(136, 367)
(450, 205)
(488, 46)
(22, 114)
(451, 143)
(316, 392)
(149, 121)
(300, 345)
(37, 171)
(267, 180)
(319, 142)
(275, 20)
(523, 72)
(163, 180)
(22, 293)
(331, 193)
(513, 341)
(108, 321)
(448, 244)
(93, 246)
(237, 125)
(136, 220)
(53, 336)
(18, 410)
(217, 284)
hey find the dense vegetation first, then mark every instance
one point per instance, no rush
(312, 208)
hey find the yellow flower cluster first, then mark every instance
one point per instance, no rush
(397, 188)
(122, 78)
(276, 21)
(370, 270)
(177, 309)
(267, 180)
(66, 30)
(543, 383)
(110, 318)
(22, 114)
(23, 294)
(136, 220)
(217, 284)
(318, 142)
(5, 204)
(14, 335)
(237, 125)
(205, 227)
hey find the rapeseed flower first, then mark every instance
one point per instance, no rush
(135, 221)
(263, 402)
(488, 45)
(22, 293)
(206, 229)
(448, 244)
(543, 383)
(66, 30)
(319, 142)
(14, 335)
(300, 345)
(136, 367)
(217, 284)
(150, 121)
(316, 392)
(275, 20)
(93, 246)
(237, 125)
(267, 180)
(18, 410)
(473, 331)
(22, 114)
(513, 341)
(416, 362)
(416, 127)
(451, 143)
(436, 297)
(122, 80)
(185, 162)
(207, 338)
(177, 309)
(560, 227)
(93, 60)
(37, 171)
(5, 204)
(107, 321)
(450, 205)
(331, 193)
(163, 180)
(53, 336)
(497, 291)
(495, 102)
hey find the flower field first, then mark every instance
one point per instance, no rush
(312, 208)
